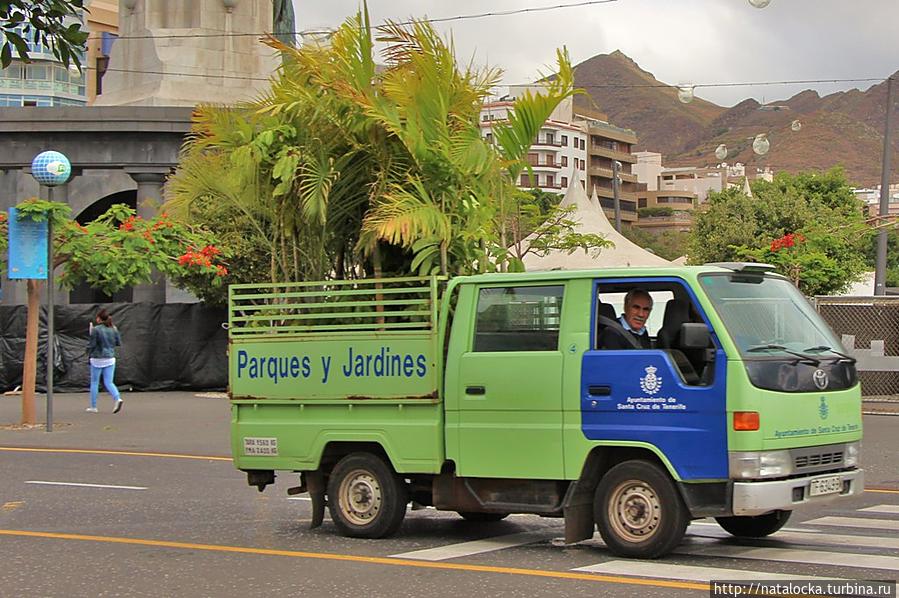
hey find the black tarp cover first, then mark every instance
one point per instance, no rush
(174, 346)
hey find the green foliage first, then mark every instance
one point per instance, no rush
(343, 170)
(818, 208)
(655, 211)
(55, 24)
(892, 270)
(120, 249)
(669, 244)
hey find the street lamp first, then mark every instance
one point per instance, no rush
(50, 169)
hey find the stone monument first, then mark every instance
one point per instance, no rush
(182, 53)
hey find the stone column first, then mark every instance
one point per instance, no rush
(149, 200)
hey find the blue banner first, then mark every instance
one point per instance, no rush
(27, 248)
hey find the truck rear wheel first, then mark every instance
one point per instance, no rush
(758, 526)
(638, 511)
(366, 498)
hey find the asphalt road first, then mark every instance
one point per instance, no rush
(147, 503)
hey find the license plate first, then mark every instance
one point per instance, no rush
(260, 446)
(821, 486)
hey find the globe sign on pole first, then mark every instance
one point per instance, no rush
(51, 168)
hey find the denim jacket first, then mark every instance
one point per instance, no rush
(103, 341)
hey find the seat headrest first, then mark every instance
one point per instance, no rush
(677, 311)
(606, 310)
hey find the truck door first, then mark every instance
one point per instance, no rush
(507, 393)
(669, 396)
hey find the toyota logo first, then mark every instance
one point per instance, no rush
(820, 379)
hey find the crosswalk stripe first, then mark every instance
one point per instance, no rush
(813, 537)
(815, 557)
(661, 570)
(715, 525)
(453, 551)
(882, 509)
(864, 523)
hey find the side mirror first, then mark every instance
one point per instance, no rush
(694, 335)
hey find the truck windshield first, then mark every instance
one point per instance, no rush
(767, 316)
(784, 343)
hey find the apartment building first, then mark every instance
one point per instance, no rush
(680, 203)
(558, 151)
(569, 142)
(45, 81)
(607, 145)
(696, 180)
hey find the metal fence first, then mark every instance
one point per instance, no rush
(869, 329)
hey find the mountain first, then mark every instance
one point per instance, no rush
(844, 128)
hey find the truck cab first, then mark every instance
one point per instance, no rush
(740, 404)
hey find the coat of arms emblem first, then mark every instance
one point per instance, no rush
(650, 383)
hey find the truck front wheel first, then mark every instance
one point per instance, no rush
(366, 498)
(638, 511)
(758, 526)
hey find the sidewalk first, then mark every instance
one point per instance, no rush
(194, 423)
(881, 406)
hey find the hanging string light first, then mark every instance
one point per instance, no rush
(761, 145)
(721, 152)
(685, 94)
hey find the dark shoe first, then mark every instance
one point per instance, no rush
(118, 406)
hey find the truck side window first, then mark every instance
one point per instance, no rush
(518, 319)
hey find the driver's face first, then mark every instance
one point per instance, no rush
(637, 312)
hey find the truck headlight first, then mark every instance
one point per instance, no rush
(759, 464)
(850, 459)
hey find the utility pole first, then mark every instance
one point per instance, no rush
(880, 267)
(616, 193)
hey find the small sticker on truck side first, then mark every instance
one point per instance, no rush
(260, 446)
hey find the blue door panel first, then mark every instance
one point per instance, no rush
(638, 396)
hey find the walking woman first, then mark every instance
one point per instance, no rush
(101, 350)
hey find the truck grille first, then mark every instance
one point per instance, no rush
(816, 460)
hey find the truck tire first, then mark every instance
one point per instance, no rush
(366, 498)
(639, 511)
(481, 517)
(758, 526)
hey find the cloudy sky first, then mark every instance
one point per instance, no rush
(678, 41)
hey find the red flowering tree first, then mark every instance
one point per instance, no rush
(116, 250)
(815, 261)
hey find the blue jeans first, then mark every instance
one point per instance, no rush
(108, 372)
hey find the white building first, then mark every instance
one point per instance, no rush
(559, 150)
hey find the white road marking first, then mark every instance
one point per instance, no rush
(882, 509)
(815, 557)
(452, 551)
(299, 498)
(80, 485)
(883, 524)
(813, 537)
(714, 523)
(660, 570)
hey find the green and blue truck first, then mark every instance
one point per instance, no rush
(488, 395)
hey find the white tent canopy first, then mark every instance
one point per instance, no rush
(590, 219)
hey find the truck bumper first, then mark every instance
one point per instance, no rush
(758, 498)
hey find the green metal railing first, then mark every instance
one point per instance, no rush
(334, 307)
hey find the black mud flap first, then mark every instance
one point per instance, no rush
(315, 485)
